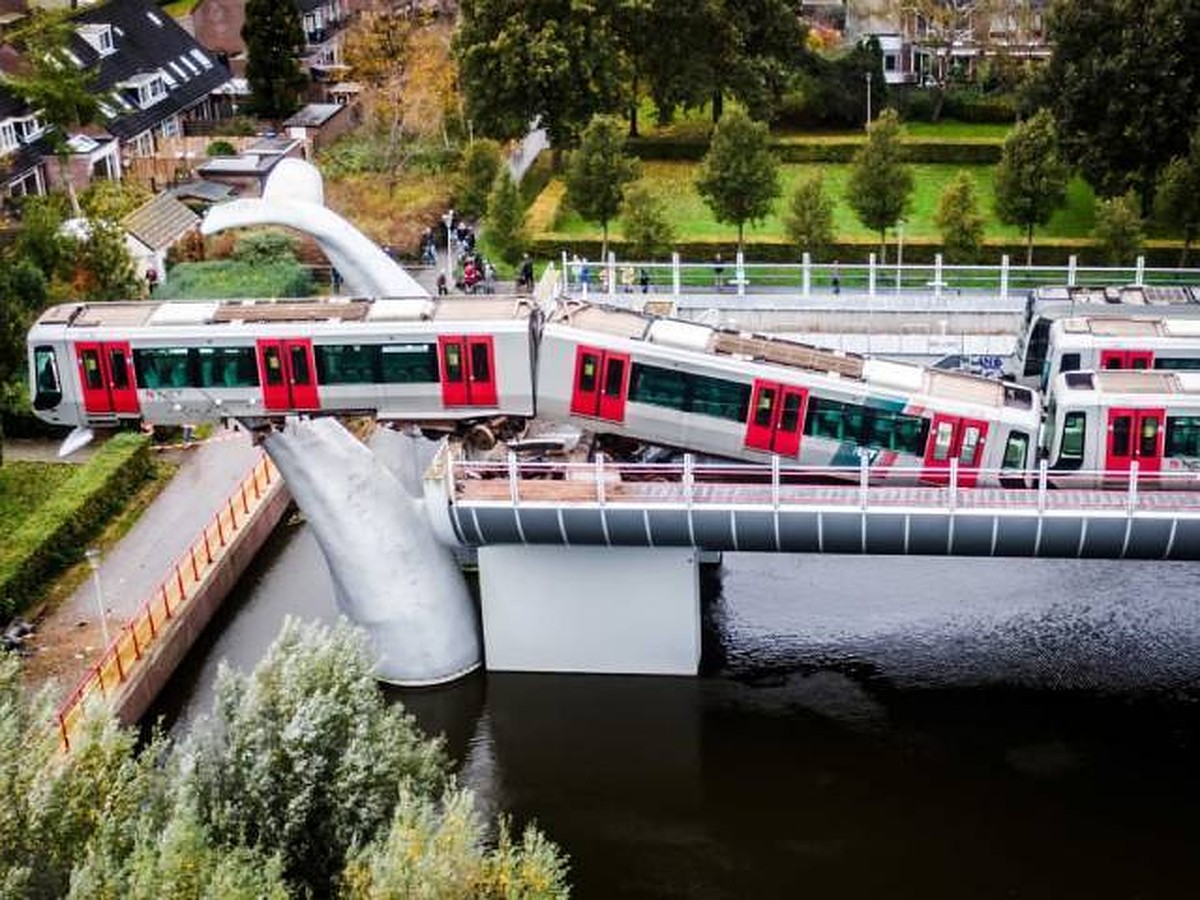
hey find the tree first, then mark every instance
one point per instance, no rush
(303, 758)
(880, 185)
(439, 846)
(944, 25)
(477, 173)
(56, 88)
(598, 173)
(1118, 229)
(102, 268)
(555, 61)
(505, 222)
(959, 220)
(1177, 197)
(274, 41)
(1124, 81)
(809, 220)
(113, 200)
(644, 222)
(739, 177)
(22, 297)
(1031, 180)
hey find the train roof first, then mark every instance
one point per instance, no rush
(1142, 382)
(151, 314)
(1125, 327)
(1126, 299)
(907, 377)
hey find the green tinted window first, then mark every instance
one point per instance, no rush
(1183, 436)
(1016, 450)
(162, 367)
(658, 387)
(347, 363)
(408, 363)
(227, 367)
(1073, 435)
(865, 426)
(1177, 363)
(686, 392)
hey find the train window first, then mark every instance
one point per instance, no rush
(1183, 436)
(1070, 362)
(1121, 427)
(408, 363)
(866, 426)
(226, 367)
(790, 417)
(120, 370)
(943, 438)
(614, 377)
(908, 433)
(587, 373)
(273, 363)
(454, 363)
(49, 386)
(1073, 440)
(970, 444)
(162, 367)
(1177, 363)
(1148, 440)
(481, 363)
(1114, 362)
(300, 372)
(1016, 450)
(1139, 362)
(718, 398)
(765, 408)
(659, 387)
(824, 419)
(1035, 350)
(91, 369)
(347, 363)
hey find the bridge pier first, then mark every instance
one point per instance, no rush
(598, 609)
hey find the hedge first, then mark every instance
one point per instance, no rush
(55, 534)
(792, 150)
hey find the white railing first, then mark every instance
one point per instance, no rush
(955, 488)
(612, 278)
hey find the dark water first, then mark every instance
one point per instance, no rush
(863, 727)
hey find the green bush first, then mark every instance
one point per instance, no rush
(265, 247)
(221, 279)
(221, 148)
(972, 106)
(55, 534)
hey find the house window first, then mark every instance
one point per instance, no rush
(170, 127)
(150, 92)
(29, 184)
(8, 136)
(31, 127)
(142, 145)
(889, 62)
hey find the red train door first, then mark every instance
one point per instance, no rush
(1126, 359)
(287, 375)
(951, 437)
(601, 384)
(1134, 434)
(106, 377)
(467, 369)
(776, 418)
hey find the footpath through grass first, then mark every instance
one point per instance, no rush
(692, 219)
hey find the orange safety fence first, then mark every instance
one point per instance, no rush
(177, 589)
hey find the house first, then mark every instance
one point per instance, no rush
(319, 124)
(151, 76)
(247, 173)
(152, 229)
(217, 24)
(923, 41)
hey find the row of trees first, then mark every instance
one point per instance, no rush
(303, 783)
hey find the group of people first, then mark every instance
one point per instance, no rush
(628, 277)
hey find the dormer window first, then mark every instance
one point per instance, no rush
(8, 136)
(100, 37)
(31, 127)
(148, 88)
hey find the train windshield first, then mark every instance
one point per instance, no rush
(47, 385)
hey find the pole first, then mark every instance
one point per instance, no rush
(868, 97)
(93, 558)
(448, 218)
(899, 253)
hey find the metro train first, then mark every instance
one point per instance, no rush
(1110, 343)
(464, 361)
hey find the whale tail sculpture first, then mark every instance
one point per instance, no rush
(390, 574)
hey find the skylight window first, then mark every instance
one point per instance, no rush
(177, 70)
(153, 17)
(201, 58)
(191, 65)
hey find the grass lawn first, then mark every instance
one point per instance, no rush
(24, 486)
(694, 221)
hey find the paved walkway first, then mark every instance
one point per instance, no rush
(69, 637)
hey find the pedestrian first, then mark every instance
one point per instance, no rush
(836, 278)
(441, 284)
(585, 275)
(151, 280)
(489, 277)
(644, 281)
(718, 271)
(627, 277)
(526, 282)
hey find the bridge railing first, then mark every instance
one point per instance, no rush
(614, 278)
(690, 483)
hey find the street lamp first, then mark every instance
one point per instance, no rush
(448, 218)
(869, 74)
(899, 253)
(93, 558)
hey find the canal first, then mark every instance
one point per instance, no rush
(863, 727)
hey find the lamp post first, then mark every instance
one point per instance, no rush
(93, 558)
(869, 74)
(899, 253)
(448, 218)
